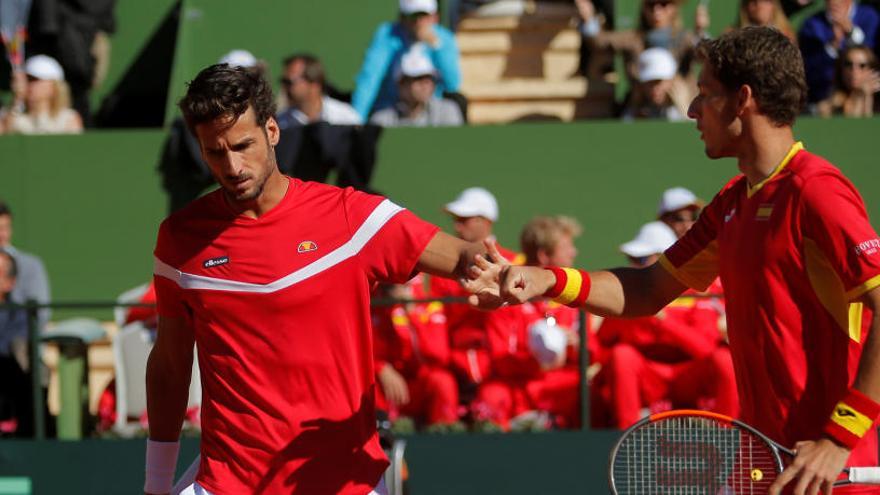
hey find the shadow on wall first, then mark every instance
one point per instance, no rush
(139, 99)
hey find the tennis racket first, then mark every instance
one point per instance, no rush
(698, 452)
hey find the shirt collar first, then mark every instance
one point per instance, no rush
(798, 146)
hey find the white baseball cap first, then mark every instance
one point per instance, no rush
(414, 6)
(44, 67)
(657, 64)
(547, 341)
(239, 58)
(653, 238)
(474, 202)
(415, 63)
(677, 198)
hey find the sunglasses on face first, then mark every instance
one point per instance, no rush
(415, 16)
(849, 64)
(285, 81)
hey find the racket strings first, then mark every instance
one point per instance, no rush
(685, 455)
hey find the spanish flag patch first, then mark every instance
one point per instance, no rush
(306, 246)
(764, 212)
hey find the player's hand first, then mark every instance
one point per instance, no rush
(484, 278)
(815, 467)
(393, 386)
(523, 283)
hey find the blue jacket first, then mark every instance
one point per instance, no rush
(819, 59)
(375, 87)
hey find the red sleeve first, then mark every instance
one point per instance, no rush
(835, 220)
(693, 260)
(394, 237)
(169, 296)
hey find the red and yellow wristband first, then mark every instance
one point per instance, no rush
(852, 418)
(572, 286)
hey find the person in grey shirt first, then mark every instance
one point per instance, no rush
(32, 283)
(418, 107)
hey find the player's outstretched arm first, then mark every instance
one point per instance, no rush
(169, 370)
(450, 257)
(818, 463)
(617, 292)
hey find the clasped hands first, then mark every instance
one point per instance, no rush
(493, 282)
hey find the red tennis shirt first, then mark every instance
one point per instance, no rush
(794, 252)
(280, 308)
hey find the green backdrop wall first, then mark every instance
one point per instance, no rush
(90, 205)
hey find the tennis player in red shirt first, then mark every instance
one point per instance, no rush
(791, 241)
(270, 277)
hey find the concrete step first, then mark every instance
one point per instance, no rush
(567, 40)
(521, 24)
(552, 65)
(522, 8)
(526, 89)
(493, 112)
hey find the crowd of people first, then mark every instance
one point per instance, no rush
(411, 72)
(444, 366)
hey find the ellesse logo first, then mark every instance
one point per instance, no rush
(306, 246)
(211, 263)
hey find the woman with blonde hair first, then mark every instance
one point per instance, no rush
(42, 100)
(856, 80)
(764, 13)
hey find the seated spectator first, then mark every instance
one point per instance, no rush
(474, 213)
(42, 104)
(32, 283)
(826, 34)
(535, 347)
(660, 26)
(660, 93)
(678, 357)
(679, 209)
(376, 86)
(763, 13)
(303, 86)
(856, 79)
(15, 410)
(418, 106)
(411, 358)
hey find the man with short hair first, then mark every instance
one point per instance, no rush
(271, 276)
(16, 415)
(303, 84)
(797, 256)
(418, 107)
(32, 282)
(375, 86)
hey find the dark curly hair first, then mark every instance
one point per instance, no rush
(767, 61)
(223, 90)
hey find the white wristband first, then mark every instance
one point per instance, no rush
(161, 465)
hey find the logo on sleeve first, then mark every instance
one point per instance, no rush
(215, 262)
(306, 247)
(868, 247)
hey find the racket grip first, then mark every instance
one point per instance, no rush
(865, 475)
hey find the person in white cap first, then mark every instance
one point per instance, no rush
(42, 104)
(418, 106)
(660, 92)
(675, 358)
(376, 85)
(303, 86)
(679, 209)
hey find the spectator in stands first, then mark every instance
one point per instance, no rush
(856, 79)
(412, 358)
(14, 385)
(764, 13)
(474, 213)
(677, 358)
(660, 25)
(660, 93)
(32, 283)
(42, 104)
(826, 34)
(303, 86)
(376, 87)
(678, 209)
(535, 346)
(418, 105)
